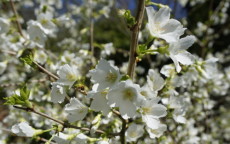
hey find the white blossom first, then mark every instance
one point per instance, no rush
(4, 25)
(40, 57)
(153, 133)
(134, 132)
(36, 33)
(155, 81)
(126, 95)
(147, 93)
(23, 129)
(58, 93)
(68, 75)
(3, 66)
(160, 25)
(99, 102)
(178, 53)
(105, 74)
(62, 138)
(76, 110)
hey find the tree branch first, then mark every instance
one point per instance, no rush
(16, 20)
(134, 38)
(46, 71)
(64, 124)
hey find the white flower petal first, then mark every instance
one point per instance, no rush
(58, 93)
(162, 16)
(155, 81)
(23, 129)
(153, 133)
(178, 68)
(105, 74)
(76, 110)
(151, 121)
(185, 58)
(99, 102)
(134, 132)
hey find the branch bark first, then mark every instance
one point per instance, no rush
(16, 16)
(134, 38)
(64, 124)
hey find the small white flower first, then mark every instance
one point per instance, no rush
(23, 129)
(210, 68)
(147, 92)
(62, 138)
(76, 110)
(40, 56)
(151, 121)
(155, 81)
(36, 33)
(153, 133)
(151, 111)
(4, 25)
(167, 70)
(134, 132)
(3, 66)
(179, 108)
(45, 20)
(151, 107)
(100, 101)
(178, 53)
(160, 25)
(108, 49)
(126, 95)
(105, 74)
(57, 93)
(68, 75)
(103, 142)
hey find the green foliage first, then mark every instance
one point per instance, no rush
(124, 78)
(141, 50)
(130, 20)
(27, 58)
(22, 99)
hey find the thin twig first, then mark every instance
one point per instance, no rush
(9, 52)
(64, 124)
(91, 36)
(123, 127)
(46, 71)
(134, 38)
(45, 140)
(16, 20)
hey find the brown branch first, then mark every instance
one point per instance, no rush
(134, 38)
(44, 140)
(46, 71)
(64, 124)
(123, 127)
(9, 52)
(16, 20)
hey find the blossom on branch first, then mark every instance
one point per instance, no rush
(161, 26)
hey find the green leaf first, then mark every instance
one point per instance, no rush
(141, 49)
(124, 77)
(22, 99)
(24, 92)
(27, 58)
(130, 20)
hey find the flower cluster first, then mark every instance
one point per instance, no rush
(64, 71)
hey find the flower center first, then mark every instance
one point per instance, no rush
(133, 134)
(158, 28)
(71, 77)
(111, 77)
(145, 110)
(144, 93)
(128, 94)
